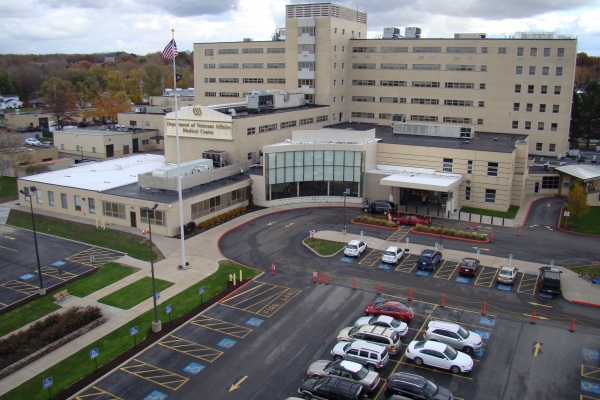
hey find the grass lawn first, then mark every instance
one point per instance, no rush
(510, 214)
(79, 364)
(133, 294)
(8, 188)
(589, 223)
(107, 274)
(593, 270)
(324, 247)
(135, 246)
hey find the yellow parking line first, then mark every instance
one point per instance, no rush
(486, 273)
(8, 248)
(529, 281)
(436, 370)
(443, 270)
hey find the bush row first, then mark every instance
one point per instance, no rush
(450, 232)
(374, 221)
(209, 223)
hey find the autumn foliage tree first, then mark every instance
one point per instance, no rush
(58, 97)
(577, 202)
(108, 106)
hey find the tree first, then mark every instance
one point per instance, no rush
(36, 168)
(6, 84)
(590, 111)
(108, 106)
(9, 145)
(59, 99)
(577, 202)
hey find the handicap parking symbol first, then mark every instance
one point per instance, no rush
(59, 263)
(485, 335)
(502, 286)
(347, 259)
(546, 295)
(590, 354)
(479, 352)
(590, 386)
(423, 273)
(384, 266)
(26, 277)
(487, 321)
(227, 343)
(254, 321)
(156, 395)
(194, 368)
(462, 279)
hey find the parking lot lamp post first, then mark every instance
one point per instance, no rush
(29, 192)
(156, 324)
(346, 192)
(81, 148)
(442, 231)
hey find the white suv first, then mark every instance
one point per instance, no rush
(392, 255)
(453, 335)
(355, 248)
(32, 142)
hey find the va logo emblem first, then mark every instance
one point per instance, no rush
(197, 111)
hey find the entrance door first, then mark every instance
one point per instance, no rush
(536, 188)
(125, 149)
(43, 122)
(136, 147)
(110, 150)
(133, 218)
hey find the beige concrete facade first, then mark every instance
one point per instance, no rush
(27, 155)
(101, 144)
(31, 119)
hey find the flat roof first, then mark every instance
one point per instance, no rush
(483, 141)
(418, 178)
(581, 171)
(103, 175)
(275, 111)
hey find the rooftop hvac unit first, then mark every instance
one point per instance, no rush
(391, 33)
(470, 35)
(219, 158)
(412, 32)
(260, 101)
(248, 40)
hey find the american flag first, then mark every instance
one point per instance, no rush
(170, 51)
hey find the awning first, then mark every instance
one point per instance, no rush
(419, 178)
(581, 171)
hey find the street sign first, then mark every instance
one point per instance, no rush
(201, 290)
(510, 256)
(567, 214)
(133, 331)
(362, 233)
(552, 263)
(157, 295)
(437, 245)
(407, 240)
(94, 353)
(312, 233)
(168, 309)
(478, 251)
(47, 382)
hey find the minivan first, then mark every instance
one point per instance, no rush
(373, 334)
(370, 355)
(331, 388)
(549, 280)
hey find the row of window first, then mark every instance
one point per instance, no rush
(540, 147)
(533, 51)
(420, 67)
(245, 66)
(422, 84)
(490, 195)
(64, 201)
(448, 164)
(560, 52)
(217, 203)
(245, 80)
(419, 118)
(543, 89)
(287, 124)
(542, 108)
(258, 50)
(402, 100)
(545, 70)
(540, 126)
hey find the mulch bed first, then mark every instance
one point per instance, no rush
(198, 231)
(151, 338)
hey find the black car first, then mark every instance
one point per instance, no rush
(428, 259)
(331, 388)
(410, 386)
(549, 280)
(379, 207)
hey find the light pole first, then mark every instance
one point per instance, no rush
(346, 192)
(156, 324)
(81, 148)
(442, 231)
(26, 192)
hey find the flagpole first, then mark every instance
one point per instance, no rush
(184, 264)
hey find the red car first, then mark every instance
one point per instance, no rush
(411, 219)
(469, 266)
(392, 308)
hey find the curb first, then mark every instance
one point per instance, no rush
(583, 303)
(574, 233)
(450, 237)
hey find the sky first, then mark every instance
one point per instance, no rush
(144, 26)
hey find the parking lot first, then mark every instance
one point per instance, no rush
(259, 342)
(60, 260)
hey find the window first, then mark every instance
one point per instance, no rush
(334, 65)
(516, 106)
(209, 52)
(533, 52)
(520, 51)
(501, 50)
(540, 126)
(550, 182)
(210, 94)
(459, 85)
(515, 124)
(544, 89)
(529, 107)
(560, 52)
(267, 128)
(482, 86)
(455, 67)
(209, 66)
(385, 116)
(484, 68)
(538, 146)
(63, 200)
(519, 70)
(228, 51)
(390, 83)
(306, 48)
(394, 66)
(229, 65)
(93, 149)
(517, 88)
(306, 30)
(343, 65)
(115, 210)
(425, 101)
(229, 94)
(77, 148)
(542, 108)
(551, 147)
(157, 217)
(447, 165)
(557, 90)
(77, 200)
(335, 30)
(365, 99)
(39, 196)
(276, 80)
(364, 49)
(309, 65)
(531, 70)
(361, 115)
(335, 47)
(210, 80)
(469, 166)
(252, 65)
(457, 120)
(468, 193)
(559, 71)
(459, 103)
(342, 82)
(253, 80)
(490, 196)
(484, 50)
(545, 71)
(306, 82)
(394, 49)
(546, 51)
(275, 65)
(528, 125)
(251, 131)
(555, 108)
(276, 50)
(334, 99)
(287, 124)
(51, 198)
(91, 205)
(252, 51)
(530, 89)
(306, 121)
(364, 66)
(229, 80)
(425, 84)
(554, 127)
(323, 118)
(482, 104)
(389, 100)
(343, 50)
(479, 121)
(361, 82)
(424, 118)
(425, 49)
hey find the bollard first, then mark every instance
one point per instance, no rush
(492, 238)
(378, 288)
(353, 284)
(234, 279)
(459, 215)
(572, 325)
(483, 309)
(533, 318)
(443, 301)
(315, 277)
(481, 218)
(398, 213)
(492, 223)
(430, 218)
(327, 278)
(502, 221)
(240, 275)
(565, 225)
(272, 269)
(468, 225)
(410, 294)
(320, 277)
(438, 212)
(476, 225)
(519, 231)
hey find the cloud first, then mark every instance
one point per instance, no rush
(190, 8)
(78, 4)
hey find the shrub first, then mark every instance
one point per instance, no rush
(191, 226)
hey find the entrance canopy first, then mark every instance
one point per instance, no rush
(418, 178)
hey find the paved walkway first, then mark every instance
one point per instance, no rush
(204, 255)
